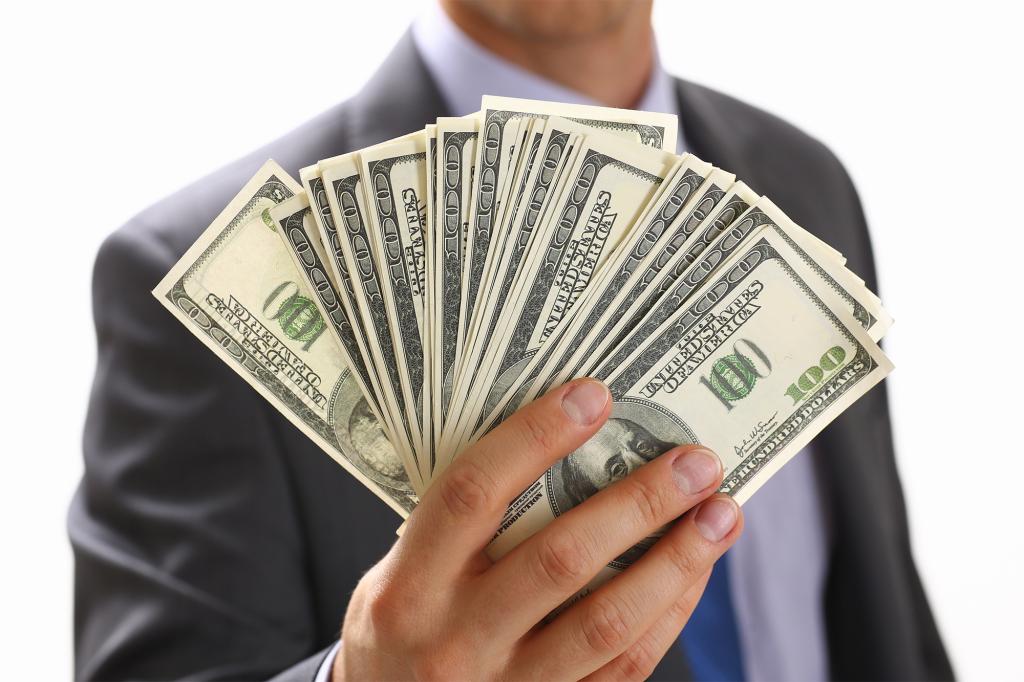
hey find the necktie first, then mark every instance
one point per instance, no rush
(711, 638)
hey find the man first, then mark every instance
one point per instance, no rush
(212, 540)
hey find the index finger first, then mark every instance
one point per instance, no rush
(459, 513)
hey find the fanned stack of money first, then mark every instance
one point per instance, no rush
(399, 301)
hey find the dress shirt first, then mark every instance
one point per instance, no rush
(778, 566)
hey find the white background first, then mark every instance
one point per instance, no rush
(107, 107)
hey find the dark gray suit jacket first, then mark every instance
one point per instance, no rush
(212, 540)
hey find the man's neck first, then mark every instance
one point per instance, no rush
(612, 67)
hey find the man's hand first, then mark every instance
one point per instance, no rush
(437, 608)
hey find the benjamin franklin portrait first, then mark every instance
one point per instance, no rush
(367, 446)
(618, 449)
(634, 435)
(373, 446)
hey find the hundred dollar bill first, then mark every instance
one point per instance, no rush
(427, 332)
(518, 162)
(485, 207)
(318, 194)
(239, 292)
(500, 120)
(394, 180)
(331, 254)
(345, 195)
(720, 373)
(609, 185)
(294, 221)
(479, 252)
(454, 171)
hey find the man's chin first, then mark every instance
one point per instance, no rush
(556, 20)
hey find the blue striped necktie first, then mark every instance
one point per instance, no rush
(711, 640)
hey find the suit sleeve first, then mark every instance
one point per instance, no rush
(189, 551)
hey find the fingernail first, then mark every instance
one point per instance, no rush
(695, 470)
(716, 518)
(585, 402)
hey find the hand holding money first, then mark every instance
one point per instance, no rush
(436, 607)
(403, 301)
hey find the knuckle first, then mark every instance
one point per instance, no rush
(387, 616)
(638, 662)
(605, 627)
(467, 491)
(434, 665)
(563, 559)
(684, 556)
(647, 500)
(682, 610)
(537, 431)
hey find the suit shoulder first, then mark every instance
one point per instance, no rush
(155, 238)
(762, 137)
(777, 159)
